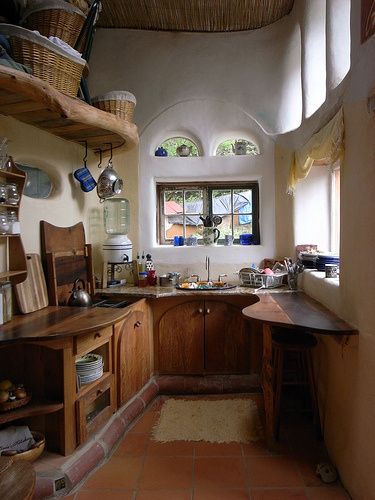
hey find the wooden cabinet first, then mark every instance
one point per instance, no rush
(133, 354)
(201, 336)
(14, 260)
(95, 401)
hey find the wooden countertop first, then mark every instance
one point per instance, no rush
(297, 310)
(58, 322)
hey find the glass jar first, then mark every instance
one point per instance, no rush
(4, 223)
(3, 194)
(14, 225)
(12, 194)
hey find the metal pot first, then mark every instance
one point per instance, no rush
(170, 279)
(109, 183)
(79, 297)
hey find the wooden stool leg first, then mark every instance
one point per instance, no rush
(278, 383)
(314, 398)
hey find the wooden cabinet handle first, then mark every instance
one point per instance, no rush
(137, 324)
(208, 311)
(200, 310)
(97, 336)
(99, 392)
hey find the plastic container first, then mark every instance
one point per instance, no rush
(116, 216)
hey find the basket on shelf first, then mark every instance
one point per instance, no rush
(119, 102)
(47, 61)
(55, 18)
(259, 280)
(33, 453)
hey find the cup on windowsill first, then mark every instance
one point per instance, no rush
(246, 239)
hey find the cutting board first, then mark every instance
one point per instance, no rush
(32, 293)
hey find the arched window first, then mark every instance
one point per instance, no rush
(236, 147)
(178, 146)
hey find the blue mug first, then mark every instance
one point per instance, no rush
(246, 239)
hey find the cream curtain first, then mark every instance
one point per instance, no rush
(327, 144)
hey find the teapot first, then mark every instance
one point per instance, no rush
(79, 297)
(239, 147)
(161, 152)
(183, 150)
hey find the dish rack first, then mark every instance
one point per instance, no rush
(259, 280)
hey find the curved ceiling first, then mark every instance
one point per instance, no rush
(192, 15)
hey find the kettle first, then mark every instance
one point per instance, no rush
(79, 297)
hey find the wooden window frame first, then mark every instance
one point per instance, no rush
(207, 188)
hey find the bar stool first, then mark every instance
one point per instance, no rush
(301, 344)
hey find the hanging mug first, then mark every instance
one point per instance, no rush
(210, 235)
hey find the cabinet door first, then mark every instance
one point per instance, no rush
(227, 342)
(181, 339)
(133, 356)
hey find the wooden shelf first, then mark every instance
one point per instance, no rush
(7, 173)
(87, 387)
(35, 102)
(32, 409)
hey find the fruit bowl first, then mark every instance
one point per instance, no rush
(17, 403)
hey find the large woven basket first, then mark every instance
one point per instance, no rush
(55, 18)
(47, 61)
(117, 102)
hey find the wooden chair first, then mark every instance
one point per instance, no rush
(301, 344)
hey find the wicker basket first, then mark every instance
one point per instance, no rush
(47, 61)
(55, 18)
(34, 453)
(259, 280)
(119, 103)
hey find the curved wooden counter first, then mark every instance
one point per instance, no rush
(297, 310)
(58, 322)
(299, 313)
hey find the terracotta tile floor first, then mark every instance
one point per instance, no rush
(142, 469)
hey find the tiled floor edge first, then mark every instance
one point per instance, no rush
(98, 448)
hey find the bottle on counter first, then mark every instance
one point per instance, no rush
(142, 279)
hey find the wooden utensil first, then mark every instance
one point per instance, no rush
(32, 293)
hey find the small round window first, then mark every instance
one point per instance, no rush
(38, 183)
(177, 146)
(237, 147)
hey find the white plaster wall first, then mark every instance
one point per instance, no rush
(208, 120)
(163, 68)
(68, 204)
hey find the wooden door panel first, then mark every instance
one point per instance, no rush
(181, 339)
(227, 342)
(133, 356)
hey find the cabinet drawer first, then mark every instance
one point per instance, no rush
(90, 341)
(95, 408)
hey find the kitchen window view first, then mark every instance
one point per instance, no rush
(185, 209)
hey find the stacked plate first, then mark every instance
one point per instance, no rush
(89, 368)
(308, 260)
(324, 259)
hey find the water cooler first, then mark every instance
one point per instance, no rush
(117, 248)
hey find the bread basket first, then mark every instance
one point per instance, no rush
(118, 102)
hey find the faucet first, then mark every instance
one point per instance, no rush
(208, 268)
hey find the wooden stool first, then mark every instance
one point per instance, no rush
(300, 343)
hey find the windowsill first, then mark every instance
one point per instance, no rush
(325, 290)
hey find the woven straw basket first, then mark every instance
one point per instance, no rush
(118, 102)
(47, 61)
(55, 18)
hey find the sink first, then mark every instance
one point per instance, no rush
(206, 285)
